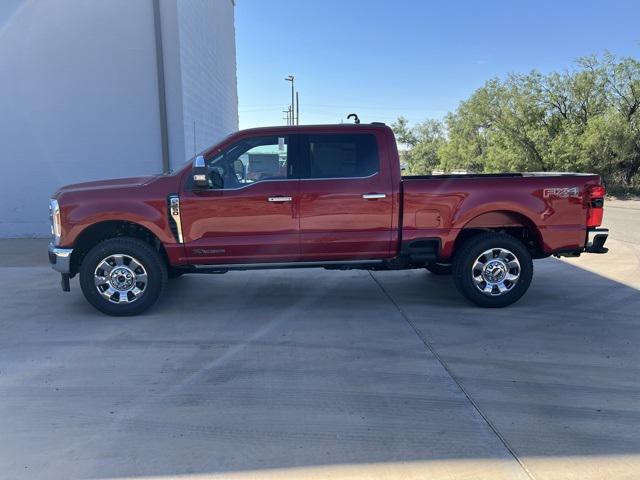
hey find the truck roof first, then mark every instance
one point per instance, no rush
(317, 128)
(276, 129)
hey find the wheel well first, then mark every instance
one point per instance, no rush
(510, 223)
(94, 234)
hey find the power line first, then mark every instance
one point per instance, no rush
(370, 107)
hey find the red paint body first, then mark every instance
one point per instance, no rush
(327, 219)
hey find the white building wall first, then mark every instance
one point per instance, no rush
(173, 81)
(208, 60)
(78, 101)
(79, 95)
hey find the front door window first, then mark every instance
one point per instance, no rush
(250, 161)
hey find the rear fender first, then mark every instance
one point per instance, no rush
(493, 220)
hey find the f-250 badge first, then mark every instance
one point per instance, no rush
(561, 192)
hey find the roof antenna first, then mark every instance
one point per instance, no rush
(356, 119)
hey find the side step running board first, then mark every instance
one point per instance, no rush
(264, 266)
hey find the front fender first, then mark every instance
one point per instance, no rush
(77, 217)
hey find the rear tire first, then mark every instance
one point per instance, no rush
(122, 276)
(493, 270)
(439, 268)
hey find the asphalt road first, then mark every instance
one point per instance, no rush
(333, 375)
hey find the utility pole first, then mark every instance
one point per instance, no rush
(297, 109)
(291, 79)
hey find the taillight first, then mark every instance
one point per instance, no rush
(597, 191)
(595, 202)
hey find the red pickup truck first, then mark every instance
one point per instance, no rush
(317, 196)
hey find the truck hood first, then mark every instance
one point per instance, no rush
(106, 184)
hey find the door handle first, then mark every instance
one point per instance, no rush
(374, 196)
(279, 199)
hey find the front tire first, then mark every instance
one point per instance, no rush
(122, 276)
(493, 269)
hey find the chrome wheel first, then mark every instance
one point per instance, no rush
(496, 271)
(120, 278)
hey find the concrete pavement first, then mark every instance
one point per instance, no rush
(323, 374)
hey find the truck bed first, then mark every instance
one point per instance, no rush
(439, 206)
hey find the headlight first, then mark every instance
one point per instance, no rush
(54, 217)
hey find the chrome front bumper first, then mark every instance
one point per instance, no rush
(60, 258)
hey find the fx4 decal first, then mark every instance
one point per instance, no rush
(565, 192)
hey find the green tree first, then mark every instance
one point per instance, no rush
(586, 119)
(505, 122)
(423, 143)
(619, 127)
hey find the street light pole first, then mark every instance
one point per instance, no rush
(291, 79)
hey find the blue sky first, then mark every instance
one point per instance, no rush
(417, 58)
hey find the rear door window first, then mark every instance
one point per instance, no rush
(341, 156)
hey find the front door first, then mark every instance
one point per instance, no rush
(248, 213)
(346, 198)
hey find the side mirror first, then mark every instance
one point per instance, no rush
(199, 172)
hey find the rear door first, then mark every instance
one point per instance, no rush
(346, 195)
